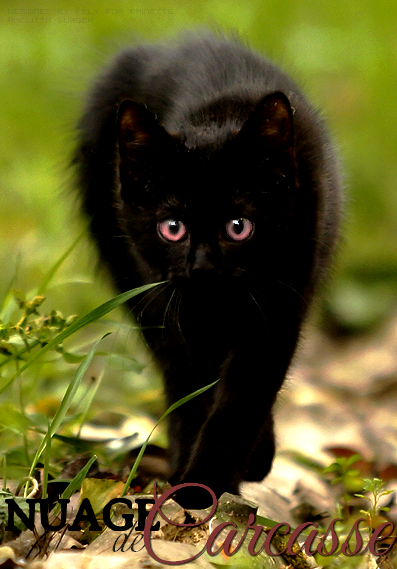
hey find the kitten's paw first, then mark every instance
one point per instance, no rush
(199, 497)
(194, 498)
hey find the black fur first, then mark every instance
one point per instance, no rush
(202, 133)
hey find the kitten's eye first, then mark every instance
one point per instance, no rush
(239, 229)
(172, 230)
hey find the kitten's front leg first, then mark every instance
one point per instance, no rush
(236, 441)
(183, 375)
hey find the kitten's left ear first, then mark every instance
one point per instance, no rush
(272, 122)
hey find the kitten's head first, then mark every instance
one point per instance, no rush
(213, 200)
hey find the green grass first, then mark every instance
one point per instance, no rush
(36, 346)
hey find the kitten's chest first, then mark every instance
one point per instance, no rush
(211, 318)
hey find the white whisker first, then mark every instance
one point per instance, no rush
(147, 298)
(293, 290)
(167, 312)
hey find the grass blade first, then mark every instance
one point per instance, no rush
(49, 276)
(75, 484)
(174, 406)
(78, 479)
(89, 399)
(65, 404)
(47, 455)
(4, 473)
(8, 298)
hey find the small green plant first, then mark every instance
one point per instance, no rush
(376, 490)
(342, 468)
(32, 329)
(73, 326)
(346, 475)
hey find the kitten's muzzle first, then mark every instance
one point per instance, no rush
(203, 264)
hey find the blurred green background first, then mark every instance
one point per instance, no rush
(343, 53)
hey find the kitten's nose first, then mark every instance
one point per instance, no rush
(203, 261)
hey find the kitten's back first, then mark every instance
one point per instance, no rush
(173, 79)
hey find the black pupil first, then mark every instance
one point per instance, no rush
(238, 226)
(173, 227)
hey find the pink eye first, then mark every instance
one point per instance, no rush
(239, 229)
(172, 230)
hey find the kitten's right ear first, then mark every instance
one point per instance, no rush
(141, 140)
(137, 127)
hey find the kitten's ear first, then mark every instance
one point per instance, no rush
(137, 127)
(142, 144)
(272, 122)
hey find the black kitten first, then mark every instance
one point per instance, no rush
(203, 164)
